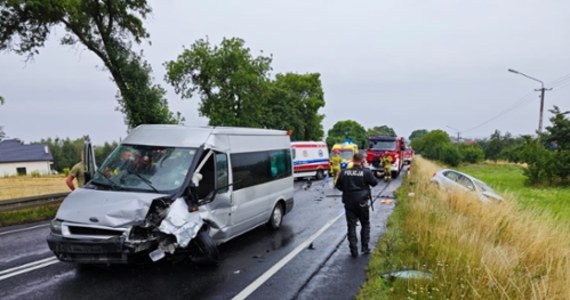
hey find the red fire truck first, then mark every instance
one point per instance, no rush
(380, 146)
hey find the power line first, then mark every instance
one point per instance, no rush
(521, 101)
(560, 83)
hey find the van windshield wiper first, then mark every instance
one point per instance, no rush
(113, 185)
(148, 182)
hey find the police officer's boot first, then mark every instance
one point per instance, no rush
(353, 251)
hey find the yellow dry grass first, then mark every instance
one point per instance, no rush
(22, 186)
(486, 251)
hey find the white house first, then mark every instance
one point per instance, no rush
(19, 159)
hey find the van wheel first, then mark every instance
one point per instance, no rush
(276, 218)
(204, 249)
(320, 174)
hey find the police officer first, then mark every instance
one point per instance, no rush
(355, 186)
(335, 162)
(387, 163)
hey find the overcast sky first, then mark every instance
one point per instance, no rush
(402, 63)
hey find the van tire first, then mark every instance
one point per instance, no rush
(205, 249)
(276, 218)
(320, 174)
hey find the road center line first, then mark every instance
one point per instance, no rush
(22, 229)
(5, 274)
(280, 264)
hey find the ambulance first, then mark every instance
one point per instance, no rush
(310, 159)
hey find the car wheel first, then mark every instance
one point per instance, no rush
(320, 174)
(276, 218)
(204, 249)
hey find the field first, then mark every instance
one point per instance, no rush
(509, 179)
(22, 186)
(505, 250)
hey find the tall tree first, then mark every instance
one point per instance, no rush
(559, 132)
(231, 83)
(296, 99)
(350, 129)
(106, 28)
(418, 133)
(381, 130)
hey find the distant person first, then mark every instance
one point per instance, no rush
(355, 186)
(77, 172)
(387, 164)
(335, 162)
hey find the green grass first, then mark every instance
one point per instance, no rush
(552, 202)
(473, 250)
(27, 215)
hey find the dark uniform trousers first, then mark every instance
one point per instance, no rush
(355, 186)
(357, 211)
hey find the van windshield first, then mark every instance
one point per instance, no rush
(346, 154)
(145, 168)
(382, 145)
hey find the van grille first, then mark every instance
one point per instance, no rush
(93, 231)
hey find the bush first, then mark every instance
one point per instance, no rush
(541, 163)
(36, 173)
(450, 155)
(66, 171)
(472, 153)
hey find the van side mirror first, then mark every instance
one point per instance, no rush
(196, 177)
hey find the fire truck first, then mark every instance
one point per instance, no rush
(380, 146)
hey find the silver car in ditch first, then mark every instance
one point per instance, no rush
(453, 179)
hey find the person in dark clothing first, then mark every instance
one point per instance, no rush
(355, 186)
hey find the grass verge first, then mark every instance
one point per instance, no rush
(27, 215)
(474, 251)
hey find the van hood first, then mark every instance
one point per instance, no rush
(105, 208)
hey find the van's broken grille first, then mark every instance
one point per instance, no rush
(93, 231)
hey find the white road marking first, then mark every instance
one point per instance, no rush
(280, 264)
(22, 229)
(5, 274)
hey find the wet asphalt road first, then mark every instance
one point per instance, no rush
(323, 271)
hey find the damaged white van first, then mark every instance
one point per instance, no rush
(170, 189)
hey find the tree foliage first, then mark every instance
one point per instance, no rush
(432, 144)
(418, 133)
(234, 89)
(294, 102)
(381, 130)
(106, 28)
(66, 152)
(230, 82)
(348, 129)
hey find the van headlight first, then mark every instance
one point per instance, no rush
(55, 226)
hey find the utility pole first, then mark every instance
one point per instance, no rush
(456, 130)
(542, 92)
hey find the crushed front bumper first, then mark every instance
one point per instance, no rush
(114, 250)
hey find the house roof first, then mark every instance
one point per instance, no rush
(14, 150)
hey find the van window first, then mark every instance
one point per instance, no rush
(255, 168)
(222, 172)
